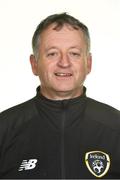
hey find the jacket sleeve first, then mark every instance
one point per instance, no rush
(3, 131)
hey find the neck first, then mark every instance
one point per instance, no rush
(61, 95)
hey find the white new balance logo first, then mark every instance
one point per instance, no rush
(27, 165)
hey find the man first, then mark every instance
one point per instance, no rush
(60, 133)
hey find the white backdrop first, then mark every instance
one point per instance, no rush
(18, 21)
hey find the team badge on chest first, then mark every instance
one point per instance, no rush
(97, 162)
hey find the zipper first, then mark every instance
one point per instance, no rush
(62, 141)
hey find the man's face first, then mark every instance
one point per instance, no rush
(63, 62)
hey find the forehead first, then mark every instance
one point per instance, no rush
(62, 34)
(57, 29)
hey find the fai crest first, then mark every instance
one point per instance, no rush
(97, 162)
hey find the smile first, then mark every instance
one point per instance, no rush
(60, 74)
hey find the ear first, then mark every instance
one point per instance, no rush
(34, 64)
(89, 63)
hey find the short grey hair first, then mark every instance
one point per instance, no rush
(59, 20)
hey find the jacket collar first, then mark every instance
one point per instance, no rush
(54, 109)
(59, 103)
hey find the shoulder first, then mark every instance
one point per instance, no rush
(103, 113)
(19, 113)
(13, 120)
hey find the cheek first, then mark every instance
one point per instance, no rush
(80, 68)
(45, 70)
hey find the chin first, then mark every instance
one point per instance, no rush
(64, 89)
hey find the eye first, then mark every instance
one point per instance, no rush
(52, 54)
(74, 54)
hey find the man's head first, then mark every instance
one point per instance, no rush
(60, 20)
(61, 56)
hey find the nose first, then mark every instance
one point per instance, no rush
(64, 61)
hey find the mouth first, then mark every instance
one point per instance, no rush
(61, 74)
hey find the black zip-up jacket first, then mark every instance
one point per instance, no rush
(47, 139)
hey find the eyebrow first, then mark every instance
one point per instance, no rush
(75, 47)
(54, 47)
(49, 48)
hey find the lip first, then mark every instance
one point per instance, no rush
(63, 74)
(66, 76)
